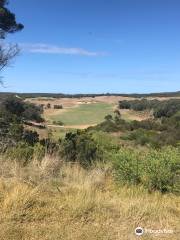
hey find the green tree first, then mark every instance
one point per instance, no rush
(8, 23)
(80, 147)
(108, 117)
(48, 105)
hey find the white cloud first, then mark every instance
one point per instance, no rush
(52, 49)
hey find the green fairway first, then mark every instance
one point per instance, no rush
(85, 114)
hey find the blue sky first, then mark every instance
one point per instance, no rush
(85, 46)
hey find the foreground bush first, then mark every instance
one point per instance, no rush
(156, 169)
(127, 166)
(162, 169)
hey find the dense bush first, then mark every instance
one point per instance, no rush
(138, 105)
(80, 147)
(161, 109)
(14, 115)
(156, 169)
(149, 124)
(169, 137)
(141, 136)
(162, 169)
(32, 113)
(128, 167)
(167, 108)
(13, 106)
(30, 137)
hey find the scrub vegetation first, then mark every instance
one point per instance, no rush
(113, 175)
(98, 182)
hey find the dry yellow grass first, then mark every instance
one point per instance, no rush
(53, 200)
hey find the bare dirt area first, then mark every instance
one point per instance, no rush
(72, 126)
(66, 102)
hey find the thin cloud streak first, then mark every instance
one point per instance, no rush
(53, 49)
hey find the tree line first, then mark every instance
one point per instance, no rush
(166, 108)
(63, 95)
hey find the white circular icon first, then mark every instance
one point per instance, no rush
(139, 231)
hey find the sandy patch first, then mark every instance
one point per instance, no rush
(71, 126)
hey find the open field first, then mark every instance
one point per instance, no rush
(84, 112)
(81, 113)
(78, 204)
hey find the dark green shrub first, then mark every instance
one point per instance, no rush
(30, 137)
(86, 150)
(80, 147)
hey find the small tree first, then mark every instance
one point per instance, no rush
(108, 117)
(48, 105)
(117, 116)
(117, 113)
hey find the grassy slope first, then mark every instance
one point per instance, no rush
(85, 114)
(60, 132)
(77, 205)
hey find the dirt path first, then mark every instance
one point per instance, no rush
(71, 126)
